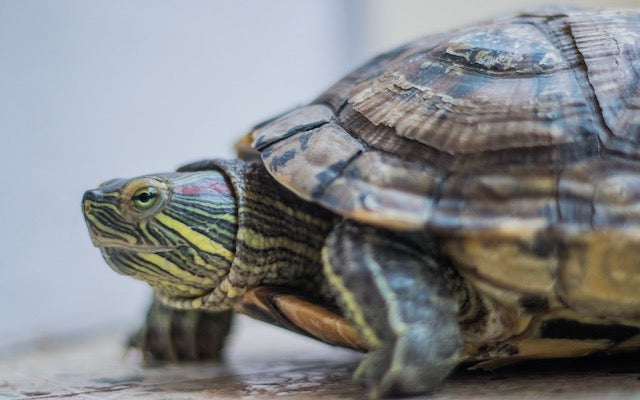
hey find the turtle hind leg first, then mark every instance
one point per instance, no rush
(181, 335)
(400, 298)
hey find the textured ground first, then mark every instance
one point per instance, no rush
(264, 362)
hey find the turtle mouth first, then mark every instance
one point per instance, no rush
(115, 245)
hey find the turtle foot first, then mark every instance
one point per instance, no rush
(392, 372)
(179, 335)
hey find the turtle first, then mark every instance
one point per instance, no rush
(469, 198)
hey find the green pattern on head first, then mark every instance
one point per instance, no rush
(211, 233)
(183, 244)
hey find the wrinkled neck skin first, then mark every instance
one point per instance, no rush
(278, 238)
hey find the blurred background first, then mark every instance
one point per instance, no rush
(95, 90)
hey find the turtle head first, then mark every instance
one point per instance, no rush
(176, 231)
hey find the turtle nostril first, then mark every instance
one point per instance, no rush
(87, 207)
(90, 195)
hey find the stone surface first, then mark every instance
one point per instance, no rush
(265, 362)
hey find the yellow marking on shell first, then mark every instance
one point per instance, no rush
(540, 348)
(198, 240)
(350, 303)
(530, 345)
(176, 271)
(497, 256)
(548, 348)
(600, 273)
(400, 221)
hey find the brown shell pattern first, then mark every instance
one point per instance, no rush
(528, 120)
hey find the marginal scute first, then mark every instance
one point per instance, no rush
(600, 193)
(299, 120)
(599, 272)
(384, 190)
(511, 267)
(245, 150)
(513, 198)
(308, 162)
(336, 96)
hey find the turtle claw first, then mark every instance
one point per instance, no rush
(371, 373)
(179, 335)
(385, 372)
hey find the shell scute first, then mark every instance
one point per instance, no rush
(516, 198)
(384, 190)
(599, 194)
(609, 43)
(506, 49)
(295, 121)
(324, 151)
(459, 110)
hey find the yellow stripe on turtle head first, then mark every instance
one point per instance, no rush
(197, 239)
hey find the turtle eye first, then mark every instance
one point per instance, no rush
(144, 198)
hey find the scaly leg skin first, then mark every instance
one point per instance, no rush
(398, 294)
(177, 335)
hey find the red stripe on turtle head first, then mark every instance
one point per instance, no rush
(205, 186)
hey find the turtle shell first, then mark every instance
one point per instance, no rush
(534, 118)
(516, 142)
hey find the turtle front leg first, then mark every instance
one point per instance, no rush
(400, 297)
(181, 335)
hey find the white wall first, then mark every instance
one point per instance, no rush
(95, 90)
(91, 90)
